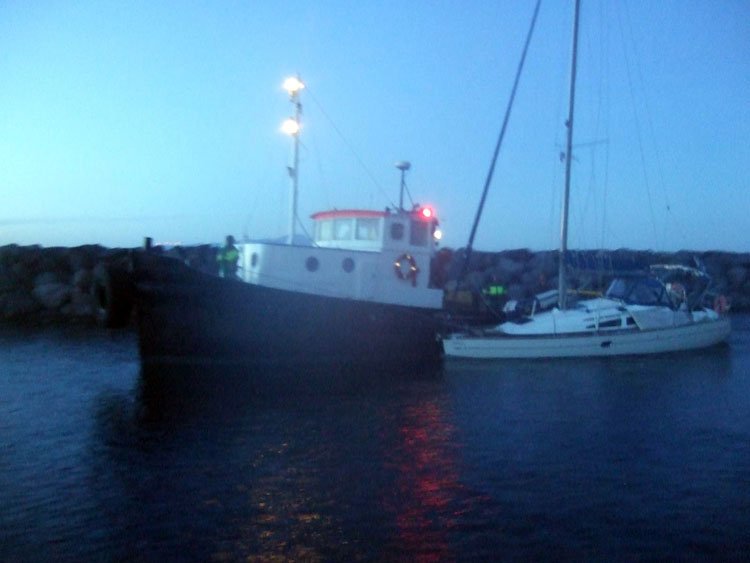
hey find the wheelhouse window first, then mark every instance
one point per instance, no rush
(342, 229)
(368, 229)
(324, 230)
(420, 232)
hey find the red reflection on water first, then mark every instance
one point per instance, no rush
(426, 483)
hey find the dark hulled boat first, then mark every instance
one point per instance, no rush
(359, 295)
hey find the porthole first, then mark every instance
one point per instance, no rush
(348, 265)
(312, 264)
(397, 231)
(254, 259)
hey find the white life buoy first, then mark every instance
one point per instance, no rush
(406, 268)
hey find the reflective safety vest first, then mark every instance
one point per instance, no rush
(495, 290)
(227, 258)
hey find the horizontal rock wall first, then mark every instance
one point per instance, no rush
(525, 273)
(55, 284)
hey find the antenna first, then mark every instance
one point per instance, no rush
(402, 165)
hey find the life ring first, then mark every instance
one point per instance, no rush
(720, 304)
(406, 268)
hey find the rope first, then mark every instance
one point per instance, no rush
(349, 146)
(491, 171)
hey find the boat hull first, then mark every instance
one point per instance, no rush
(633, 342)
(186, 316)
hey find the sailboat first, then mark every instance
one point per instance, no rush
(359, 295)
(664, 309)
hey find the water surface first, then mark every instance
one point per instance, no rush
(577, 459)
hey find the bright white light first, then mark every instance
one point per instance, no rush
(293, 85)
(290, 127)
(438, 234)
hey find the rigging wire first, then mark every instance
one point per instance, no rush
(467, 255)
(650, 122)
(598, 57)
(349, 146)
(637, 126)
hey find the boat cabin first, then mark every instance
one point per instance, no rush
(358, 229)
(378, 256)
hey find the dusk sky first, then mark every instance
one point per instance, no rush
(125, 119)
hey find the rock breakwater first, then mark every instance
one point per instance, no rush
(56, 284)
(47, 283)
(524, 273)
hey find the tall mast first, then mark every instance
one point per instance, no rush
(562, 287)
(292, 127)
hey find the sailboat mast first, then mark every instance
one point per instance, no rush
(562, 287)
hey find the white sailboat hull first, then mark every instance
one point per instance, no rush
(627, 342)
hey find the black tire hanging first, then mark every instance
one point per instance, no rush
(112, 290)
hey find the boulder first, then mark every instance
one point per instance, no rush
(52, 295)
(17, 305)
(509, 267)
(736, 276)
(80, 305)
(46, 278)
(85, 257)
(496, 275)
(82, 280)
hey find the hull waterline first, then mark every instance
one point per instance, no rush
(634, 342)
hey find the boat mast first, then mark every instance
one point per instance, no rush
(562, 286)
(291, 126)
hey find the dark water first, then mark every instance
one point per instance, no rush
(607, 459)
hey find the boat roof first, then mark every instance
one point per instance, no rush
(662, 269)
(347, 213)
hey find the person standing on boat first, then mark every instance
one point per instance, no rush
(495, 293)
(227, 258)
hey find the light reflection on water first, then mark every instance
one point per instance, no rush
(602, 458)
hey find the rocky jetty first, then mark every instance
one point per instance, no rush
(47, 283)
(524, 273)
(58, 284)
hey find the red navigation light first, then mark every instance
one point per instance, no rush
(427, 213)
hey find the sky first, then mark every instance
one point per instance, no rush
(120, 120)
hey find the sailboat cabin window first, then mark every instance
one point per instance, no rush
(419, 233)
(397, 231)
(643, 291)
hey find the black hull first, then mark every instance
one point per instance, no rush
(186, 316)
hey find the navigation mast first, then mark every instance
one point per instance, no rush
(293, 85)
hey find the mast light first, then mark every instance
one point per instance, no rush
(290, 127)
(293, 85)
